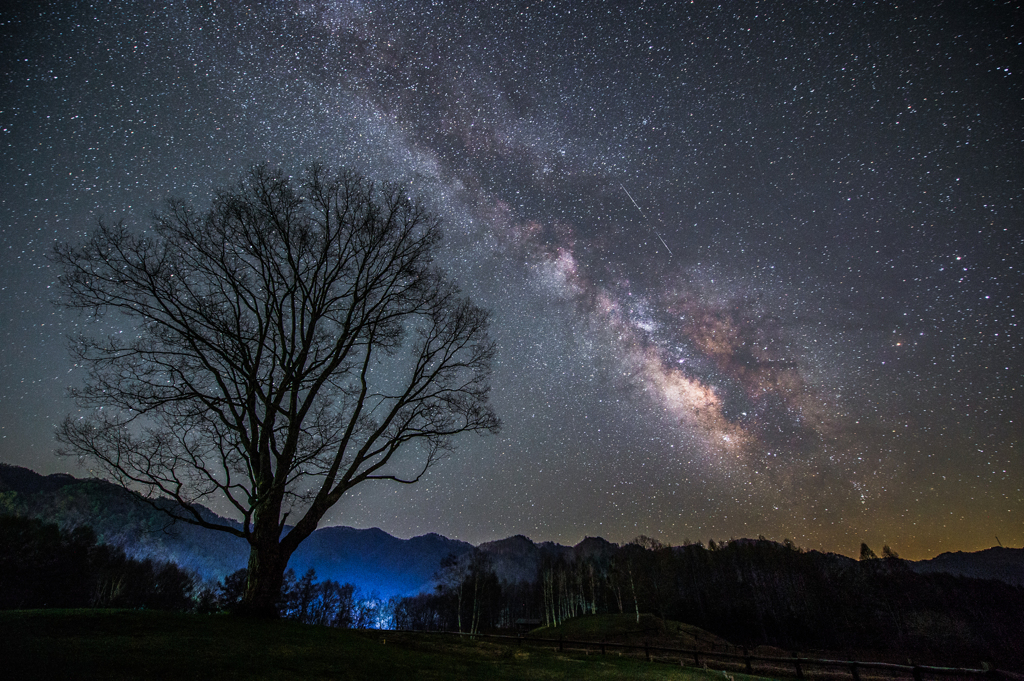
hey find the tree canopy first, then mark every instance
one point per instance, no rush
(293, 341)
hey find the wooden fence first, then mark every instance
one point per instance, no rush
(753, 664)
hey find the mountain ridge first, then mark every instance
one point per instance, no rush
(371, 559)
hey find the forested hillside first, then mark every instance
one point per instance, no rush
(750, 592)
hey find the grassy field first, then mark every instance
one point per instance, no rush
(117, 644)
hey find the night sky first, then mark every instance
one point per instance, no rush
(754, 267)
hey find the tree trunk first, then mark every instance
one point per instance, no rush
(632, 587)
(267, 563)
(458, 612)
(476, 605)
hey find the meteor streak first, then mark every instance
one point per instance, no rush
(645, 218)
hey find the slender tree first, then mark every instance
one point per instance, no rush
(866, 553)
(288, 344)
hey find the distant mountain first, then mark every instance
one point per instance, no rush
(517, 559)
(122, 519)
(372, 560)
(1006, 565)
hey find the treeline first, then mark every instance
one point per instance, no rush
(309, 601)
(43, 566)
(750, 592)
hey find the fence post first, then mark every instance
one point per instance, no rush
(696, 659)
(746, 659)
(917, 673)
(647, 650)
(853, 670)
(796, 663)
(602, 647)
(561, 642)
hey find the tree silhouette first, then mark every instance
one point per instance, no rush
(287, 344)
(43, 566)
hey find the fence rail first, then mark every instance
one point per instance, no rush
(796, 664)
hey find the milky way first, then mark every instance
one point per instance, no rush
(754, 267)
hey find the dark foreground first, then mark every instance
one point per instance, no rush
(120, 644)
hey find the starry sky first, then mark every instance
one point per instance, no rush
(754, 267)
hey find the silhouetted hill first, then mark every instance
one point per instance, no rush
(29, 482)
(122, 519)
(595, 548)
(1006, 565)
(517, 559)
(372, 560)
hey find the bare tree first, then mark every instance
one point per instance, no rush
(288, 343)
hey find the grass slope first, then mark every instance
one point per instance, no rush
(118, 644)
(626, 629)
